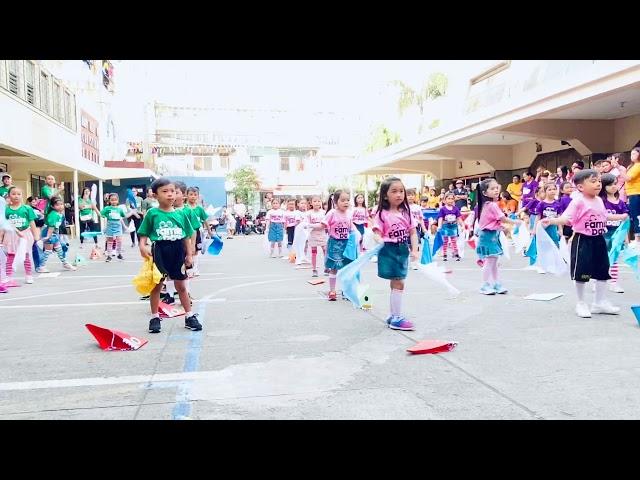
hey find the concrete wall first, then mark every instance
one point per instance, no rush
(525, 153)
(627, 133)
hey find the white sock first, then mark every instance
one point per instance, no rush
(601, 289)
(580, 290)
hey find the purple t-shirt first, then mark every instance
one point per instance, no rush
(549, 210)
(615, 209)
(449, 215)
(529, 190)
(565, 200)
(531, 205)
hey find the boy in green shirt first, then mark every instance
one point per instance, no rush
(170, 232)
(200, 216)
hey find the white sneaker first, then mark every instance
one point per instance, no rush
(42, 270)
(614, 287)
(374, 259)
(414, 266)
(68, 266)
(273, 255)
(28, 279)
(605, 307)
(582, 310)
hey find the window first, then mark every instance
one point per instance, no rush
(30, 82)
(300, 164)
(224, 161)
(284, 164)
(67, 108)
(14, 76)
(56, 101)
(37, 183)
(254, 159)
(44, 92)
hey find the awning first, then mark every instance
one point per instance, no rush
(297, 191)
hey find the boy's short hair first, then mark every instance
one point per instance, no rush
(159, 183)
(583, 175)
(181, 186)
(411, 191)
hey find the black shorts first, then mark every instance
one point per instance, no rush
(290, 232)
(169, 257)
(589, 258)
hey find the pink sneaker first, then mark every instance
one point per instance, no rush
(400, 323)
(11, 283)
(3, 289)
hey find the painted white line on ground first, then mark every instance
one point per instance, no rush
(99, 304)
(64, 292)
(126, 276)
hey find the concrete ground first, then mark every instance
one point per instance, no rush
(272, 347)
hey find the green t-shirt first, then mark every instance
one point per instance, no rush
(21, 217)
(160, 225)
(85, 207)
(48, 192)
(4, 191)
(112, 213)
(191, 216)
(54, 220)
(199, 213)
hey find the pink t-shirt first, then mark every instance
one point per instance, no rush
(416, 212)
(588, 216)
(339, 224)
(291, 218)
(491, 216)
(275, 216)
(359, 215)
(315, 218)
(394, 227)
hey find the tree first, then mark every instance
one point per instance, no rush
(382, 137)
(435, 86)
(246, 183)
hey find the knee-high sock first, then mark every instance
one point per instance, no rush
(10, 258)
(613, 271)
(60, 253)
(314, 257)
(395, 302)
(490, 270)
(118, 242)
(27, 265)
(3, 267)
(601, 291)
(445, 245)
(332, 282)
(494, 269)
(454, 244)
(580, 290)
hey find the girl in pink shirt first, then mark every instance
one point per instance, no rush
(359, 215)
(318, 233)
(589, 256)
(275, 227)
(490, 220)
(394, 225)
(339, 222)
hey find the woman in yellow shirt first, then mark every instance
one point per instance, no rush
(632, 187)
(433, 199)
(515, 188)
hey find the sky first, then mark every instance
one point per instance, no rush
(358, 88)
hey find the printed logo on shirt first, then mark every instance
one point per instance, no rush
(398, 232)
(549, 212)
(450, 218)
(596, 226)
(167, 231)
(613, 223)
(113, 215)
(17, 221)
(341, 230)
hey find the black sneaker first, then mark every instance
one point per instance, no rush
(192, 323)
(108, 259)
(120, 257)
(168, 299)
(154, 325)
(444, 259)
(457, 258)
(145, 297)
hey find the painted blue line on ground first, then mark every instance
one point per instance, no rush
(182, 409)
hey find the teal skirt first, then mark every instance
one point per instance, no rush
(393, 261)
(489, 244)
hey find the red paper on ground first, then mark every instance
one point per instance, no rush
(170, 311)
(109, 339)
(432, 346)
